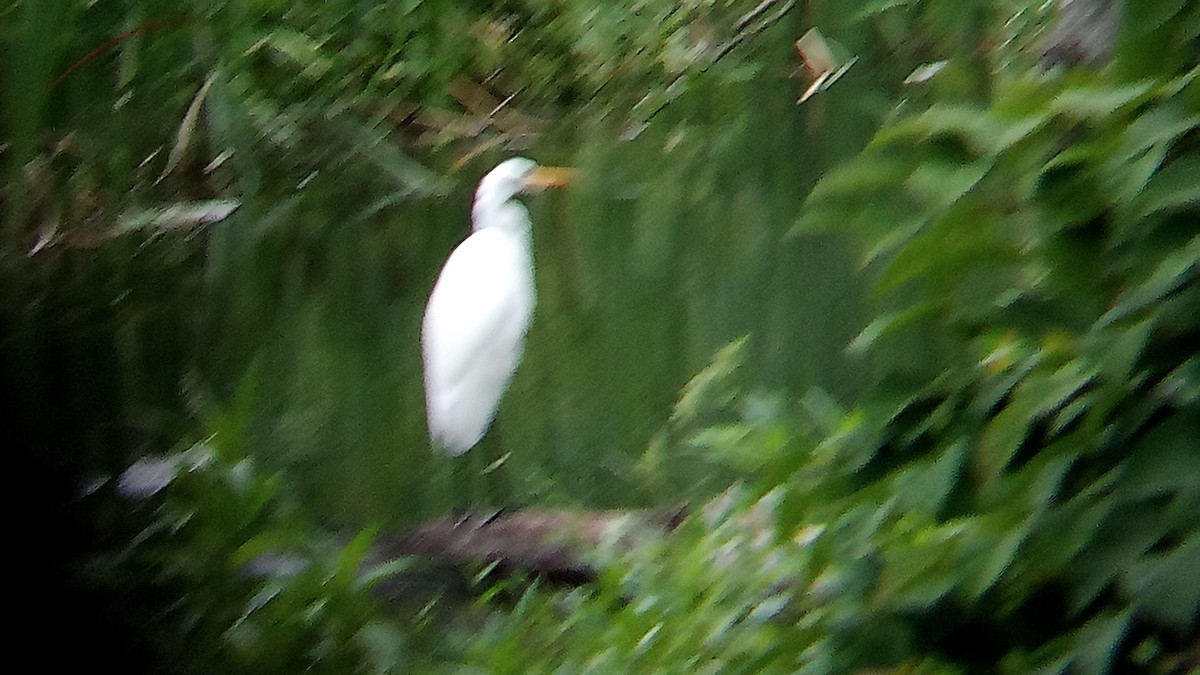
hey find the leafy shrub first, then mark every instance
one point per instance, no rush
(1019, 489)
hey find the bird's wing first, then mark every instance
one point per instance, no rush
(473, 330)
(482, 296)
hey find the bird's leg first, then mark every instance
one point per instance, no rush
(465, 481)
(491, 472)
(479, 493)
(444, 489)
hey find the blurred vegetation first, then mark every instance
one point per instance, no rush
(930, 334)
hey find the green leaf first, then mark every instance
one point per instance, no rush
(890, 232)
(1048, 394)
(824, 412)
(1150, 16)
(875, 7)
(350, 559)
(860, 177)
(921, 566)
(713, 386)
(986, 133)
(963, 239)
(1093, 101)
(939, 119)
(1127, 532)
(1173, 188)
(1167, 587)
(997, 558)
(941, 183)
(1034, 399)
(1045, 476)
(927, 485)
(1162, 462)
(301, 50)
(1181, 386)
(1172, 273)
(1129, 179)
(1068, 190)
(1098, 642)
(1120, 346)
(891, 323)
(1160, 126)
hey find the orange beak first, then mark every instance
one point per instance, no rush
(544, 177)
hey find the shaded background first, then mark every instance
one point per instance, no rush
(292, 325)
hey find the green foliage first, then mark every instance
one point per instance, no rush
(1041, 462)
(715, 598)
(251, 589)
(216, 569)
(214, 216)
(1022, 499)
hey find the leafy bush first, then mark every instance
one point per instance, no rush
(1019, 489)
(1044, 250)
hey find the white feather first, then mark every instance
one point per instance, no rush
(474, 329)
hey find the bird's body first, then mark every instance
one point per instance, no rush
(472, 352)
(480, 309)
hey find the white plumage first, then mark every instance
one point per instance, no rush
(474, 329)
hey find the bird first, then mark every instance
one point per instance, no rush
(473, 332)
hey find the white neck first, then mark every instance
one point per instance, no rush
(508, 215)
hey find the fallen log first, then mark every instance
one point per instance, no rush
(553, 544)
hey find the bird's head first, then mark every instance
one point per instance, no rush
(518, 176)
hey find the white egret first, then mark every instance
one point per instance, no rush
(480, 308)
